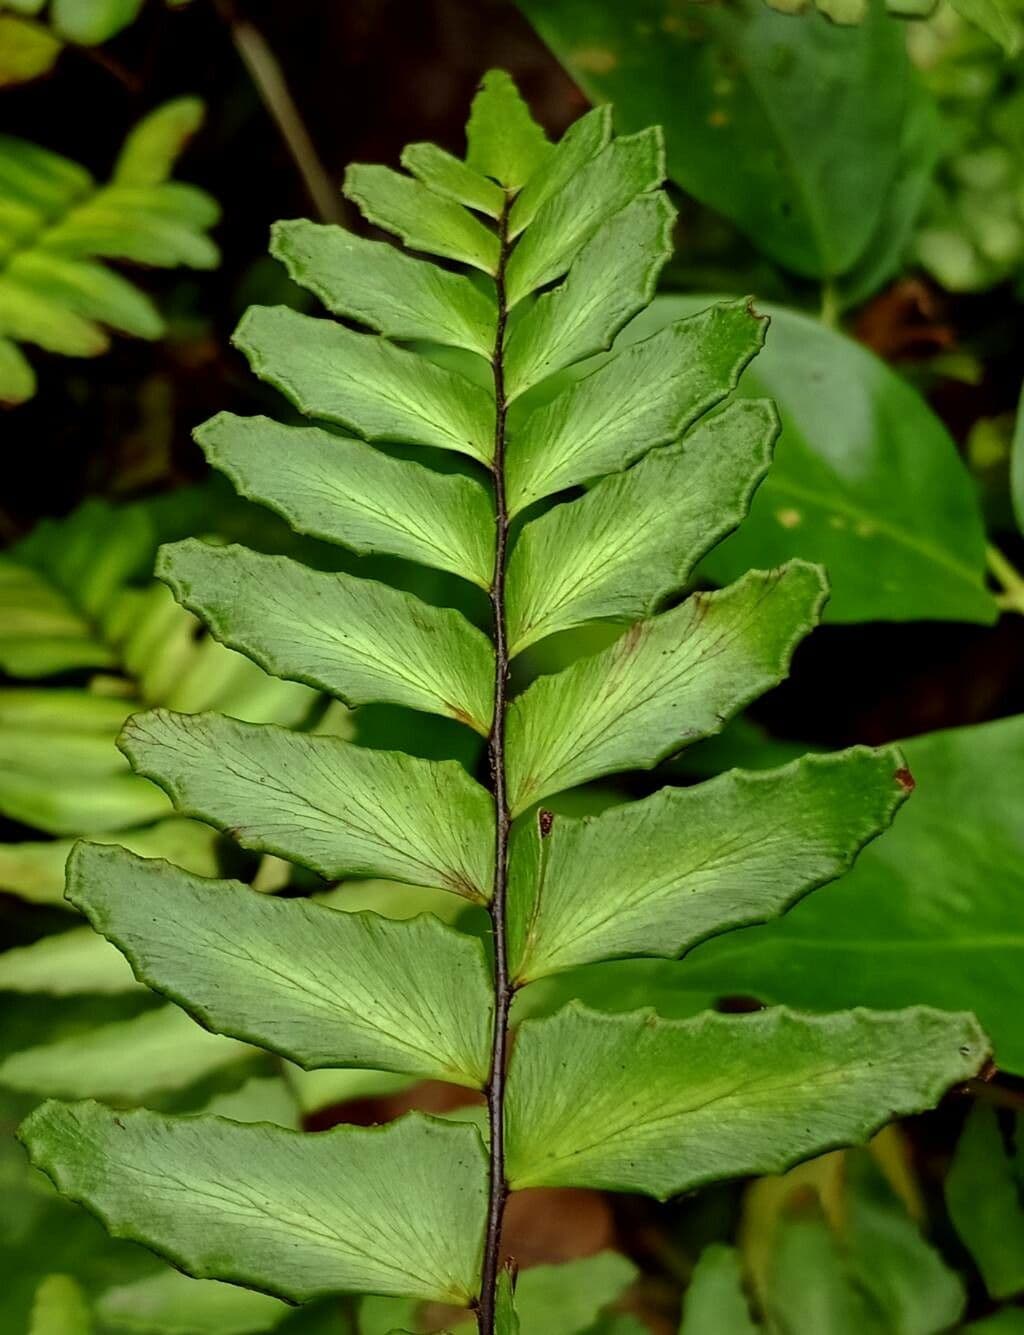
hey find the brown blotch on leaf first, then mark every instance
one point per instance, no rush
(545, 820)
(905, 779)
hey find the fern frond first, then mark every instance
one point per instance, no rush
(577, 473)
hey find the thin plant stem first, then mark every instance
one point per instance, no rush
(268, 78)
(1009, 579)
(503, 989)
(829, 313)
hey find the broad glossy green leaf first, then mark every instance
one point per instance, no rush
(365, 383)
(985, 1197)
(375, 283)
(583, 140)
(341, 809)
(331, 989)
(451, 177)
(638, 1103)
(941, 894)
(361, 640)
(612, 278)
(567, 220)
(60, 1308)
(657, 876)
(345, 491)
(866, 480)
(923, 140)
(645, 395)
(424, 220)
(170, 1303)
(396, 1209)
(791, 129)
(64, 964)
(617, 552)
(715, 1301)
(126, 1061)
(666, 682)
(503, 139)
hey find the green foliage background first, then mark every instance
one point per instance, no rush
(864, 182)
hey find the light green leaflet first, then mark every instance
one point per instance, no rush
(424, 220)
(126, 1061)
(67, 784)
(655, 877)
(361, 640)
(341, 809)
(636, 1103)
(374, 283)
(583, 140)
(397, 1209)
(172, 1304)
(667, 681)
(646, 395)
(627, 167)
(633, 539)
(335, 989)
(363, 382)
(613, 277)
(715, 1301)
(77, 961)
(452, 178)
(345, 491)
(60, 1308)
(502, 138)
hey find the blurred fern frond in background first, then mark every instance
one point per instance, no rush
(77, 596)
(57, 226)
